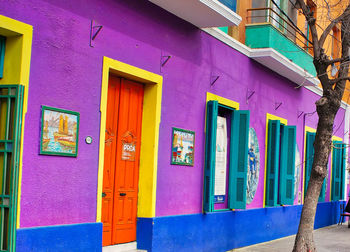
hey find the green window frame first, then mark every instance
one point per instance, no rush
(309, 159)
(2, 55)
(280, 167)
(238, 153)
(11, 106)
(338, 170)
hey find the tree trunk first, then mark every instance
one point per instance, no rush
(327, 108)
(304, 240)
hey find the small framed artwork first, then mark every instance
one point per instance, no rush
(59, 132)
(182, 147)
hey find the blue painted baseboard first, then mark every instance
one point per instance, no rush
(222, 231)
(67, 238)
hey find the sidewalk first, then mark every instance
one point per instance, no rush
(333, 238)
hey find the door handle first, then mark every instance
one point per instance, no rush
(104, 194)
(122, 194)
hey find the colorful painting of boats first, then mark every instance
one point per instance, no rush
(59, 132)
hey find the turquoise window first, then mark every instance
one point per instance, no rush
(280, 167)
(338, 170)
(232, 4)
(2, 55)
(309, 159)
(238, 157)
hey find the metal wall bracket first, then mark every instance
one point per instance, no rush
(249, 95)
(94, 31)
(213, 79)
(164, 60)
(277, 105)
(300, 113)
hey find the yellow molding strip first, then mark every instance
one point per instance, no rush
(222, 100)
(18, 52)
(282, 121)
(149, 134)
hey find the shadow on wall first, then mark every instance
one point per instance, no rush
(150, 24)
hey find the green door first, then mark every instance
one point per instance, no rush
(11, 99)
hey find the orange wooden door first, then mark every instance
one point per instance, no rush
(122, 155)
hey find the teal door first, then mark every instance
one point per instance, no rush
(11, 99)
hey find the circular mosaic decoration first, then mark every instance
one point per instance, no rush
(253, 165)
(297, 171)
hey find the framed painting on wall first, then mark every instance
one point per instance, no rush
(182, 147)
(59, 132)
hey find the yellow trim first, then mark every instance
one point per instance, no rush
(282, 121)
(16, 71)
(149, 135)
(222, 100)
(312, 130)
(334, 138)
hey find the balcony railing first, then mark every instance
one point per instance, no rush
(281, 22)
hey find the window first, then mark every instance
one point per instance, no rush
(309, 159)
(2, 55)
(232, 4)
(338, 170)
(217, 162)
(280, 166)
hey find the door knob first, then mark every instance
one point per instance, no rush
(104, 194)
(122, 194)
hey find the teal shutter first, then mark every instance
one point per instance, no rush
(273, 147)
(322, 196)
(287, 165)
(309, 157)
(342, 171)
(336, 170)
(210, 152)
(2, 55)
(238, 159)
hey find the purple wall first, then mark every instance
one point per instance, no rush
(66, 73)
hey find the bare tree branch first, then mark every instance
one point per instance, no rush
(330, 62)
(337, 80)
(332, 24)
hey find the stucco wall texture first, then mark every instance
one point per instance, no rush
(66, 73)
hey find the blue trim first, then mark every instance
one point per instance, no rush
(76, 237)
(222, 231)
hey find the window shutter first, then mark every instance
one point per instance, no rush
(287, 165)
(322, 196)
(238, 159)
(343, 168)
(210, 150)
(309, 157)
(273, 147)
(2, 55)
(232, 4)
(336, 167)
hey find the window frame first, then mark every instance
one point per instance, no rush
(281, 162)
(234, 162)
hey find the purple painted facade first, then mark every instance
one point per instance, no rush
(67, 73)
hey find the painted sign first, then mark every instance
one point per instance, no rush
(128, 146)
(253, 165)
(220, 160)
(182, 147)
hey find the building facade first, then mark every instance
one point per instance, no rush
(124, 121)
